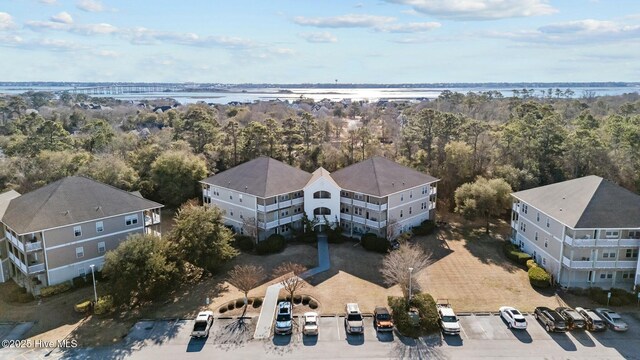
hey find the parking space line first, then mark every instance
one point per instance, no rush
(463, 332)
(338, 326)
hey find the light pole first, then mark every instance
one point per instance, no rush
(410, 272)
(93, 276)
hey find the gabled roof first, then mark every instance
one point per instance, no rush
(5, 199)
(321, 173)
(263, 177)
(589, 202)
(71, 200)
(379, 176)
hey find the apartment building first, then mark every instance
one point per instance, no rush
(585, 232)
(55, 233)
(375, 195)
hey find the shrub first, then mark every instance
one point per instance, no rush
(427, 312)
(249, 301)
(222, 310)
(531, 263)
(335, 236)
(239, 303)
(513, 253)
(538, 277)
(625, 297)
(313, 304)
(54, 289)
(297, 299)
(257, 302)
(104, 305)
(273, 244)
(619, 297)
(231, 305)
(305, 300)
(99, 276)
(82, 307)
(425, 228)
(244, 243)
(79, 281)
(372, 242)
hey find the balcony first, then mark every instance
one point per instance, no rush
(14, 240)
(515, 207)
(36, 268)
(599, 264)
(151, 219)
(267, 208)
(432, 206)
(268, 225)
(630, 242)
(297, 201)
(344, 216)
(584, 242)
(359, 203)
(345, 200)
(284, 204)
(433, 191)
(18, 263)
(514, 224)
(359, 220)
(34, 246)
(297, 217)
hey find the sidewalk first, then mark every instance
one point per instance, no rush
(268, 311)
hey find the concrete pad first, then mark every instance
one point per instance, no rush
(5, 329)
(494, 327)
(472, 328)
(329, 329)
(140, 331)
(18, 331)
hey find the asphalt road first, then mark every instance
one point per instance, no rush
(482, 336)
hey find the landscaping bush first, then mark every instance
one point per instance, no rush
(427, 311)
(425, 228)
(531, 263)
(82, 307)
(244, 243)
(79, 281)
(55, 289)
(222, 310)
(335, 236)
(231, 305)
(99, 276)
(273, 244)
(104, 305)
(313, 304)
(514, 254)
(249, 301)
(538, 277)
(240, 303)
(619, 297)
(297, 299)
(305, 300)
(625, 297)
(372, 242)
(257, 302)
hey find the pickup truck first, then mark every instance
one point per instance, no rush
(448, 320)
(202, 325)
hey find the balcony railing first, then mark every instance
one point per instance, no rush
(359, 203)
(584, 242)
(434, 190)
(36, 268)
(151, 219)
(297, 201)
(268, 208)
(515, 207)
(599, 264)
(284, 204)
(34, 246)
(514, 224)
(18, 262)
(14, 240)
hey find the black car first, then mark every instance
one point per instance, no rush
(550, 319)
(574, 320)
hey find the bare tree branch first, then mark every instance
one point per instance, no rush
(292, 281)
(245, 278)
(396, 264)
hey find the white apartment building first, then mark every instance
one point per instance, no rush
(375, 195)
(585, 232)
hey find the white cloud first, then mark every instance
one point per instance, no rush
(144, 36)
(479, 9)
(94, 29)
(344, 21)
(38, 44)
(319, 37)
(106, 53)
(90, 5)
(6, 21)
(46, 25)
(63, 17)
(48, 2)
(409, 27)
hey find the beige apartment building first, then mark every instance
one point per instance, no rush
(55, 233)
(376, 195)
(585, 232)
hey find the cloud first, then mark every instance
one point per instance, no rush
(6, 21)
(358, 5)
(90, 5)
(409, 27)
(38, 44)
(46, 25)
(48, 2)
(106, 53)
(344, 21)
(63, 18)
(586, 31)
(479, 9)
(80, 29)
(319, 37)
(94, 29)
(144, 36)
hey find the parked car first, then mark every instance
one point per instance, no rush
(202, 325)
(513, 317)
(594, 322)
(612, 319)
(550, 319)
(573, 318)
(353, 320)
(284, 323)
(383, 320)
(310, 323)
(448, 320)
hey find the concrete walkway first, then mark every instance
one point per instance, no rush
(268, 311)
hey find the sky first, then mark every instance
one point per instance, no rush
(320, 41)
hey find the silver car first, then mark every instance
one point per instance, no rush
(612, 319)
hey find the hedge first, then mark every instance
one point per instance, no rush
(539, 277)
(336, 236)
(531, 263)
(425, 228)
(619, 297)
(372, 242)
(104, 305)
(427, 312)
(273, 244)
(244, 242)
(55, 289)
(82, 307)
(79, 281)
(513, 253)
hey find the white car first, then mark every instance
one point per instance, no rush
(310, 323)
(202, 325)
(513, 317)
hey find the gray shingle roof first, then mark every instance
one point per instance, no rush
(5, 199)
(71, 200)
(379, 176)
(588, 202)
(262, 177)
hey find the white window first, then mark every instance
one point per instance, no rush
(603, 276)
(216, 192)
(546, 243)
(524, 227)
(131, 219)
(605, 255)
(401, 197)
(632, 253)
(240, 197)
(538, 217)
(82, 271)
(79, 252)
(99, 226)
(409, 210)
(536, 236)
(612, 233)
(424, 190)
(548, 222)
(101, 247)
(544, 261)
(230, 196)
(525, 208)
(230, 212)
(400, 213)
(77, 231)
(411, 194)
(241, 217)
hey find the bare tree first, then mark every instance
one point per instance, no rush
(245, 278)
(250, 228)
(396, 265)
(392, 229)
(292, 281)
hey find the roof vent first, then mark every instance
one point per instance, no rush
(98, 208)
(393, 184)
(65, 213)
(246, 187)
(560, 209)
(403, 183)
